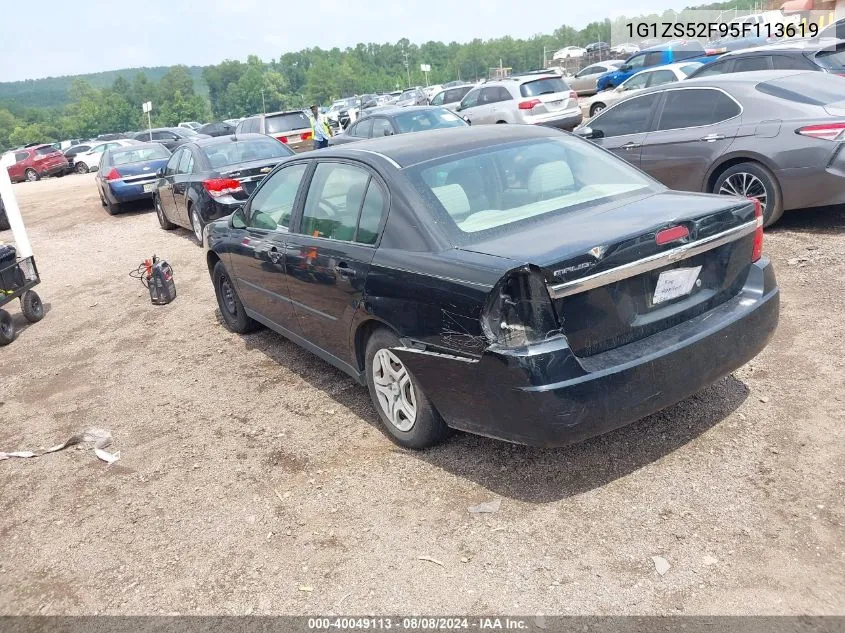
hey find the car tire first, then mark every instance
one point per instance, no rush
(7, 328)
(112, 208)
(196, 224)
(32, 307)
(4, 223)
(747, 179)
(31, 175)
(397, 386)
(231, 308)
(596, 108)
(166, 224)
(80, 168)
(102, 199)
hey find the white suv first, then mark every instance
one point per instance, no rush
(533, 99)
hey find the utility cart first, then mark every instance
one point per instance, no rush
(18, 273)
(18, 277)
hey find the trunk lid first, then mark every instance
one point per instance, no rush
(250, 174)
(610, 277)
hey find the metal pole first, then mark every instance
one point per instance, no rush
(263, 105)
(150, 124)
(13, 211)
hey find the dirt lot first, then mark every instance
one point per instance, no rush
(254, 479)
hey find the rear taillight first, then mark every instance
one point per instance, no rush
(113, 175)
(306, 136)
(527, 105)
(827, 131)
(573, 94)
(757, 250)
(283, 139)
(519, 311)
(217, 187)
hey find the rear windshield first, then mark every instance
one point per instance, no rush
(832, 59)
(287, 122)
(186, 131)
(493, 190)
(547, 86)
(139, 155)
(813, 88)
(427, 120)
(222, 155)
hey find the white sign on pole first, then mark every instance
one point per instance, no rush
(147, 106)
(426, 68)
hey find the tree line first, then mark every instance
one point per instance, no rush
(295, 80)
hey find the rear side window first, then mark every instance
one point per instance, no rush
(694, 108)
(43, 151)
(791, 62)
(287, 122)
(751, 63)
(832, 60)
(812, 88)
(21, 156)
(714, 68)
(546, 86)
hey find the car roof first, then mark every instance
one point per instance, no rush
(411, 149)
(751, 78)
(392, 110)
(300, 110)
(133, 147)
(799, 46)
(675, 66)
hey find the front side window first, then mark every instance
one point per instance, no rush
(636, 82)
(660, 77)
(438, 98)
(272, 205)
(471, 100)
(487, 192)
(629, 117)
(591, 70)
(173, 163)
(186, 164)
(750, 63)
(635, 62)
(334, 201)
(381, 127)
(695, 108)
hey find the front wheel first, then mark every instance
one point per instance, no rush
(32, 307)
(31, 175)
(596, 108)
(7, 328)
(81, 168)
(231, 308)
(166, 224)
(752, 180)
(404, 410)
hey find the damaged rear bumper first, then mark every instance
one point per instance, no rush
(544, 395)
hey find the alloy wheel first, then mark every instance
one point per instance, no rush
(395, 390)
(81, 168)
(745, 185)
(195, 222)
(31, 176)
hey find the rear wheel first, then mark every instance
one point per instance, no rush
(7, 328)
(596, 108)
(81, 168)
(102, 199)
(231, 308)
(32, 307)
(31, 175)
(752, 180)
(166, 224)
(196, 223)
(404, 410)
(112, 207)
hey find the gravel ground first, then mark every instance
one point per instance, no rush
(254, 478)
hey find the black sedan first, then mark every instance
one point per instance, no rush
(219, 128)
(209, 178)
(170, 137)
(508, 280)
(392, 120)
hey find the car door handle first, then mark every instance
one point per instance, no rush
(712, 137)
(343, 270)
(630, 145)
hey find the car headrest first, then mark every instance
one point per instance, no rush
(548, 179)
(453, 198)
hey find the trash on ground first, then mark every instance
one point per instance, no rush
(100, 437)
(661, 565)
(430, 560)
(486, 507)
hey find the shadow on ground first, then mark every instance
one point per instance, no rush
(522, 472)
(819, 220)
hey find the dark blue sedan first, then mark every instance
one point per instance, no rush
(128, 173)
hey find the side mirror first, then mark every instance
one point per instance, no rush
(237, 220)
(588, 133)
(160, 172)
(458, 107)
(466, 118)
(624, 68)
(388, 132)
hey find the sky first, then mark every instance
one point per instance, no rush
(69, 38)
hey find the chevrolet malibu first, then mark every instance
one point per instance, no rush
(511, 281)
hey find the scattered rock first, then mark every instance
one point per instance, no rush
(306, 588)
(464, 559)
(430, 560)
(709, 560)
(488, 507)
(661, 565)
(764, 399)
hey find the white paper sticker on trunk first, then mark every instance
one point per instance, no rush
(675, 283)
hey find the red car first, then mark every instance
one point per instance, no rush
(31, 163)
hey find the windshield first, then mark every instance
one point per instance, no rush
(186, 131)
(819, 89)
(224, 154)
(139, 155)
(546, 86)
(429, 119)
(832, 59)
(287, 122)
(486, 190)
